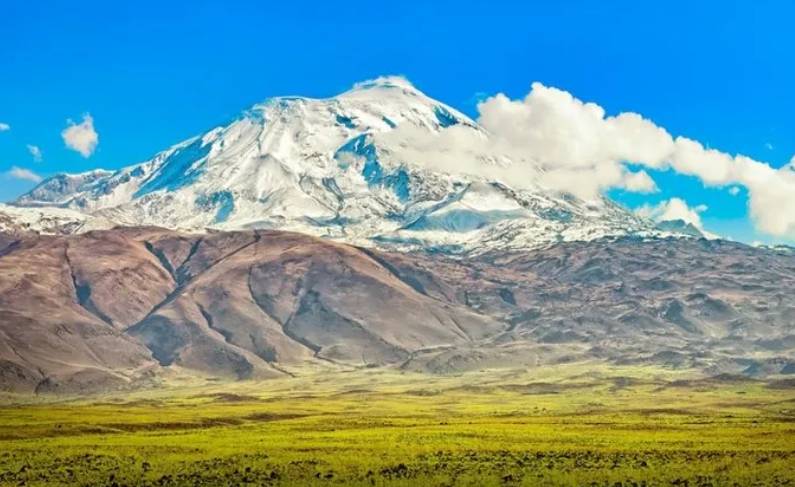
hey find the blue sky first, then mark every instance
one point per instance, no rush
(154, 73)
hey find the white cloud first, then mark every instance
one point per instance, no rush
(4, 127)
(772, 200)
(24, 174)
(639, 182)
(395, 79)
(81, 137)
(550, 140)
(673, 209)
(35, 152)
(579, 148)
(458, 150)
(769, 146)
(583, 151)
(734, 190)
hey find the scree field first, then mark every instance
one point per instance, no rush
(574, 425)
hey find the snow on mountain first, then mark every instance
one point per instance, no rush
(335, 168)
(682, 227)
(48, 220)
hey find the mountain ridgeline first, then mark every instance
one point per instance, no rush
(353, 168)
(126, 307)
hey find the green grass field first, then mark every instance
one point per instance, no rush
(576, 425)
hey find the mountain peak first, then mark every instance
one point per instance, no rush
(362, 167)
(391, 81)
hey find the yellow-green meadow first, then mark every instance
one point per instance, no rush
(573, 425)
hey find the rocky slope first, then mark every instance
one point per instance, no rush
(118, 308)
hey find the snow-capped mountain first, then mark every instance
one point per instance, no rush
(352, 167)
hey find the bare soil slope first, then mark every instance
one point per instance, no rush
(113, 308)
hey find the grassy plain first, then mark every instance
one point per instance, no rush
(574, 425)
